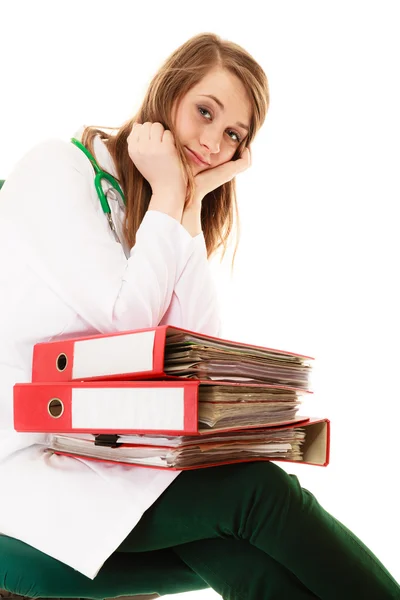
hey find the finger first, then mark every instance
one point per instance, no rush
(145, 130)
(246, 157)
(168, 137)
(250, 155)
(139, 132)
(156, 132)
(233, 167)
(243, 163)
(213, 178)
(133, 132)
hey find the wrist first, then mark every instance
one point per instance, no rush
(196, 201)
(169, 194)
(169, 202)
(191, 220)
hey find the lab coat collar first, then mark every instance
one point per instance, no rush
(102, 155)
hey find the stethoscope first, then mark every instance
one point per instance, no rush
(100, 175)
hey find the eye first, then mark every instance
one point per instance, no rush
(203, 110)
(238, 138)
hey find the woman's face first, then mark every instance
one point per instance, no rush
(212, 127)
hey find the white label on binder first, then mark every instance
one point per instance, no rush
(128, 408)
(114, 355)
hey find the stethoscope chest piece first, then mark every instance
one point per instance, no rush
(114, 196)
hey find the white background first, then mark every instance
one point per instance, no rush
(317, 267)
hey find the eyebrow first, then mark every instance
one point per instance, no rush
(222, 107)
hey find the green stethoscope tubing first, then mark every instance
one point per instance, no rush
(100, 175)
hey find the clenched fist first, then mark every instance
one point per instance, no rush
(152, 149)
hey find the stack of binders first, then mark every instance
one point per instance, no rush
(166, 397)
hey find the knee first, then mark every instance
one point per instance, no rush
(15, 578)
(20, 572)
(268, 497)
(267, 478)
(274, 492)
(268, 491)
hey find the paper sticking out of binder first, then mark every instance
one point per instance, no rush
(170, 398)
(306, 442)
(173, 407)
(166, 352)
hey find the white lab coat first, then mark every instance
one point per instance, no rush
(63, 274)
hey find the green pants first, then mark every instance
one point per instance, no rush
(248, 531)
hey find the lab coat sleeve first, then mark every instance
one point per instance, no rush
(194, 303)
(50, 203)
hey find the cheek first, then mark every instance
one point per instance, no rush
(225, 155)
(185, 125)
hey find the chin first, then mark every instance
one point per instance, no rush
(195, 169)
(201, 169)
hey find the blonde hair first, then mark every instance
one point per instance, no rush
(184, 68)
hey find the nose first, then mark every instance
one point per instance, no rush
(211, 141)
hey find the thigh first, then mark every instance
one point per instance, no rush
(28, 572)
(208, 503)
(262, 504)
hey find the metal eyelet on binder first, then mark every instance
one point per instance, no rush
(55, 408)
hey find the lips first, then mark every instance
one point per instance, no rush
(198, 156)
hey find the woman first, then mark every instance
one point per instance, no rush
(84, 529)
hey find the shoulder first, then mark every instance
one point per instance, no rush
(54, 175)
(51, 168)
(55, 153)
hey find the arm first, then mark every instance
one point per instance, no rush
(52, 208)
(191, 219)
(194, 303)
